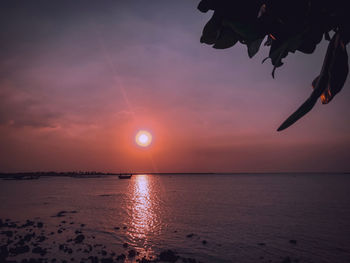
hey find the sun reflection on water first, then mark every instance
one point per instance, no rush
(143, 206)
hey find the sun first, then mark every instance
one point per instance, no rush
(143, 138)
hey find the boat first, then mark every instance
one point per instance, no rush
(125, 176)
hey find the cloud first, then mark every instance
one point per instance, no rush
(19, 108)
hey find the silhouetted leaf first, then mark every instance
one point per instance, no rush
(227, 38)
(211, 30)
(206, 5)
(328, 83)
(253, 47)
(338, 69)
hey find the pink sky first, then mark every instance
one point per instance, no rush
(78, 80)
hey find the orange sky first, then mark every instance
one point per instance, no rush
(78, 81)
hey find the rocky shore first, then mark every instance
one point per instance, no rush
(32, 241)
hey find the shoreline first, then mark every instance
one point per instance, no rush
(31, 242)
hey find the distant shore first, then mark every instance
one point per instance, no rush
(94, 174)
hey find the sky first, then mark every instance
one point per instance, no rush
(78, 79)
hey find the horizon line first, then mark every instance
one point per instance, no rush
(169, 173)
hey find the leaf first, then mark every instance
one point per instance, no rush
(247, 30)
(253, 47)
(280, 49)
(328, 83)
(300, 112)
(227, 38)
(211, 30)
(338, 70)
(206, 5)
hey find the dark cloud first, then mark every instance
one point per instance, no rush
(19, 109)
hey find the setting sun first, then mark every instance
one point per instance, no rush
(143, 138)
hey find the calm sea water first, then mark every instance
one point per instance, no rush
(233, 213)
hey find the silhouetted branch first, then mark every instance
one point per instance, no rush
(289, 26)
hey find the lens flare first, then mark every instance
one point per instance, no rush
(143, 138)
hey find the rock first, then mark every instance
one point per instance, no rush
(7, 233)
(106, 260)
(204, 242)
(3, 252)
(63, 213)
(27, 224)
(125, 245)
(20, 243)
(90, 247)
(131, 253)
(190, 235)
(104, 252)
(144, 260)
(93, 259)
(19, 250)
(117, 228)
(124, 227)
(78, 239)
(261, 244)
(287, 260)
(40, 238)
(60, 214)
(189, 260)
(12, 225)
(121, 257)
(82, 225)
(168, 256)
(31, 260)
(292, 241)
(59, 231)
(77, 232)
(40, 224)
(39, 250)
(28, 237)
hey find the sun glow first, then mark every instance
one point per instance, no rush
(143, 138)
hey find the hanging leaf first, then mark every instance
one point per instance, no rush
(226, 39)
(253, 47)
(211, 30)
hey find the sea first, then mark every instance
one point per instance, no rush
(202, 217)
